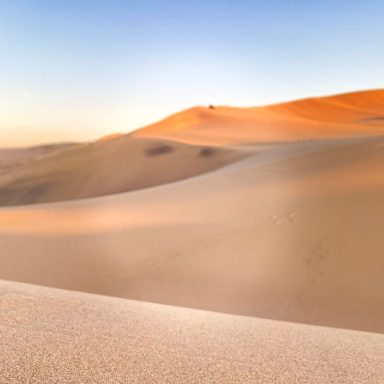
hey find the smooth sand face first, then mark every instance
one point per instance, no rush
(292, 232)
(80, 338)
(339, 116)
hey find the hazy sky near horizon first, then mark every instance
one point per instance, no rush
(80, 69)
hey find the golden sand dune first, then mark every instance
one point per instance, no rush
(106, 167)
(112, 136)
(350, 108)
(354, 114)
(54, 336)
(293, 232)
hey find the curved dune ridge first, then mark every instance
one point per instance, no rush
(16, 156)
(316, 118)
(106, 167)
(81, 338)
(112, 136)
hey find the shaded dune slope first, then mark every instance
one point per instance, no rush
(107, 167)
(10, 157)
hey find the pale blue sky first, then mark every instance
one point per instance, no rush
(80, 69)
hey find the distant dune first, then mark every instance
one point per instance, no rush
(112, 136)
(338, 116)
(156, 154)
(16, 156)
(106, 167)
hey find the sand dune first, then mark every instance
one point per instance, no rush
(83, 338)
(106, 167)
(292, 232)
(119, 163)
(10, 157)
(350, 108)
(354, 114)
(273, 212)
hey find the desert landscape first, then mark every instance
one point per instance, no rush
(219, 245)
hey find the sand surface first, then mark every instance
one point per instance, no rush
(273, 212)
(293, 232)
(10, 157)
(54, 336)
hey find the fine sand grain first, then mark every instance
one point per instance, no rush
(54, 336)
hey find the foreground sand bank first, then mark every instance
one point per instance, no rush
(49, 335)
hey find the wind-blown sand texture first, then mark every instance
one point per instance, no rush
(54, 336)
(274, 212)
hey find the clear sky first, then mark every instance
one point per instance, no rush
(80, 69)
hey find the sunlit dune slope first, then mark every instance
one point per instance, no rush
(106, 167)
(49, 335)
(357, 107)
(354, 114)
(112, 136)
(293, 232)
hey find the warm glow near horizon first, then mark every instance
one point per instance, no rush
(74, 71)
